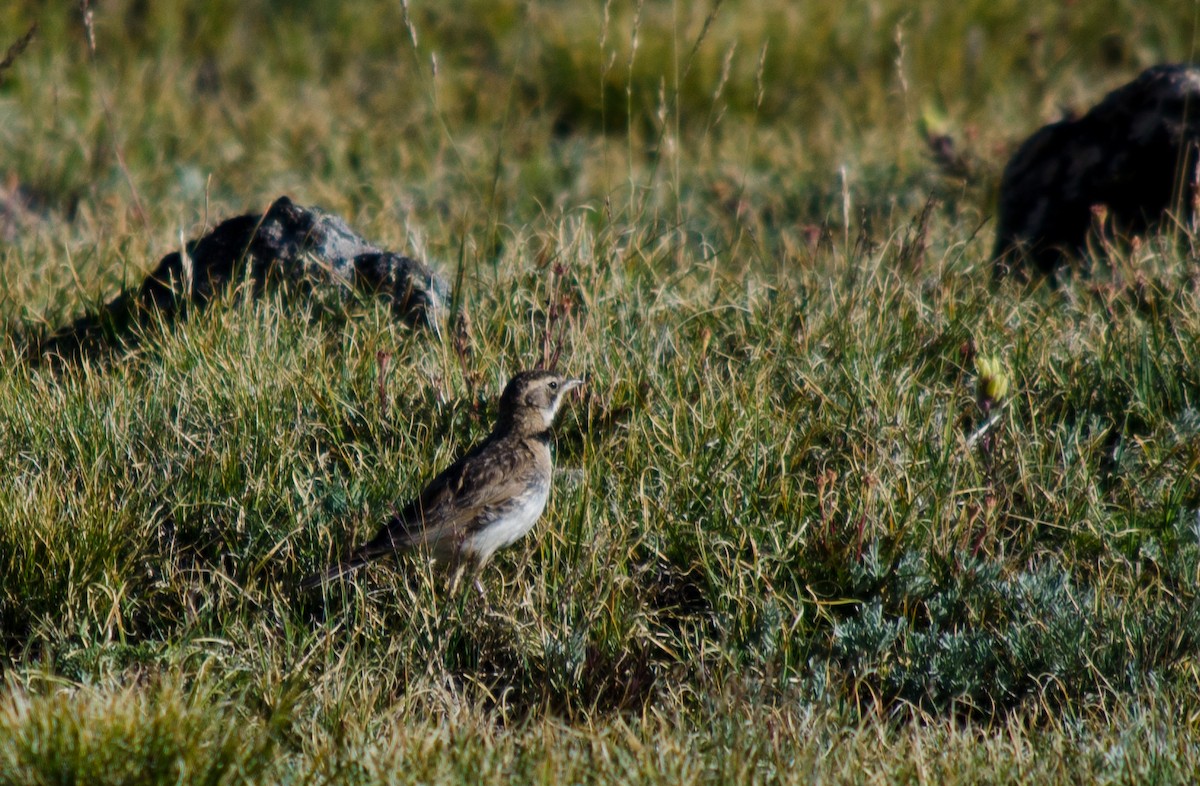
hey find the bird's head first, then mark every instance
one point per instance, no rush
(532, 398)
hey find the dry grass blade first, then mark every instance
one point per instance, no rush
(14, 51)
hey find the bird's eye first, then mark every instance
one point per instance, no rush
(553, 385)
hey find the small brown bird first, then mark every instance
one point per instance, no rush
(487, 499)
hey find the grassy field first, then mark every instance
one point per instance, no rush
(800, 534)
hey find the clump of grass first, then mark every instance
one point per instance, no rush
(147, 734)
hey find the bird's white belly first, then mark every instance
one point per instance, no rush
(509, 526)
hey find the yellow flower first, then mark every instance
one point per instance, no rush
(993, 380)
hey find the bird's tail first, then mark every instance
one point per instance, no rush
(381, 545)
(335, 571)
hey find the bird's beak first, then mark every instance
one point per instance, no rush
(571, 384)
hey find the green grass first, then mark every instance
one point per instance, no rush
(784, 547)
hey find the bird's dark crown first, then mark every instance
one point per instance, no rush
(532, 398)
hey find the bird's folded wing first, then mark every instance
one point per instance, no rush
(454, 503)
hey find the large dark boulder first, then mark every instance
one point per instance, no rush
(1134, 153)
(301, 246)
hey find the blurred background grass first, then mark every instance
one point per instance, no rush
(478, 119)
(779, 553)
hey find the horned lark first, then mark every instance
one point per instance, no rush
(487, 499)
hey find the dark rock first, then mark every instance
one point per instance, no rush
(1134, 153)
(289, 244)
